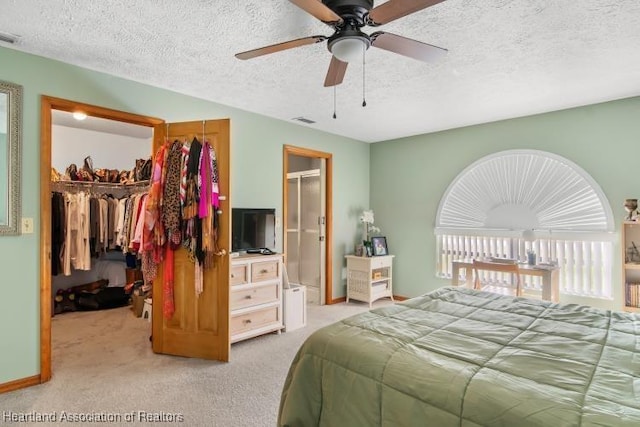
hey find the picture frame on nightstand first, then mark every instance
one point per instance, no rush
(379, 246)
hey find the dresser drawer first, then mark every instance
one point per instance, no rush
(239, 275)
(261, 271)
(254, 296)
(253, 320)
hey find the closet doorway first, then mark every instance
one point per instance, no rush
(307, 221)
(200, 324)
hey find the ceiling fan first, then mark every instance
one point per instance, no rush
(348, 42)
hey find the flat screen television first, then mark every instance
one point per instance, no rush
(253, 228)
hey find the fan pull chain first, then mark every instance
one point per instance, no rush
(364, 50)
(334, 101)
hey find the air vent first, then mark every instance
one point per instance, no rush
(304, 120)
(8, 38)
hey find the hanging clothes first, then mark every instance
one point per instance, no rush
(171, 216)
(153, 233)
(76, 252)
(171, 210)
(180, 209)
(86, 224)
(153, 237)
(186, 147)
(209, 201)
(192, 177)
(58, 231)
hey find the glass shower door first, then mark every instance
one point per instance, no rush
(309, 266)
(293, 230)
(304, 233)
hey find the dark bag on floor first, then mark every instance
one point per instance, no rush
(103, 298)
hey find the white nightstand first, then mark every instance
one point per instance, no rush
(369, 278)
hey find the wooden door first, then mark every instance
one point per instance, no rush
(200, 324)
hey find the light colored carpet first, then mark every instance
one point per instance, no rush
(103, 364)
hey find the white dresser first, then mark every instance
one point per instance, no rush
(255, 296)
(369, 278)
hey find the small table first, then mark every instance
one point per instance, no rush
(369, 278)
(549, 273)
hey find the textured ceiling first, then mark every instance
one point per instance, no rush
(507, 58)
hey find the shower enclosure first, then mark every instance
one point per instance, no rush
(305, 232)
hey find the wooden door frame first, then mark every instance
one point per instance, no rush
(47, 105)
(328, 157)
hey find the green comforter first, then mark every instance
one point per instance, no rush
(459, 357)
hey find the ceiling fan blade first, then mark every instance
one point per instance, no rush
(319, 10)
(407, 47)
(394, 9)
(280, 46)
(336, 71)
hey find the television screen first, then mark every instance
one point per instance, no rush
(253, 229)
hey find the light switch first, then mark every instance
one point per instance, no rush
(27, 225)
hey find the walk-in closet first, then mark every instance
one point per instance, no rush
(100, 173)
(135, 237)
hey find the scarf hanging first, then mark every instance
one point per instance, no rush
(168, 307)
(171, 212)
(199, 278)
(153, 232)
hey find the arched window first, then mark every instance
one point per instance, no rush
(489, 205)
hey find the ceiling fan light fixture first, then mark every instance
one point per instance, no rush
(349, 48)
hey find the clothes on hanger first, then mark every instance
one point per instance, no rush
(87, 224)
(181, 209)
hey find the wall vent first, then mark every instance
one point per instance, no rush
(8, 38)
(304, 120)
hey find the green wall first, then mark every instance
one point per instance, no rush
(256, 169)
(409, 177)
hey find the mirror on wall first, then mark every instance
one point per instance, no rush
(10, 149)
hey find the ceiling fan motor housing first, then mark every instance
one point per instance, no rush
(354, 11)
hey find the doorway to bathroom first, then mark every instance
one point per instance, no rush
(307, 222)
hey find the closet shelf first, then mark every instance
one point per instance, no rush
(99, 187)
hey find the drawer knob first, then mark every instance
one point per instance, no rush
(247, 321)
(233, 276)
(264, 271)
(247, 297)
